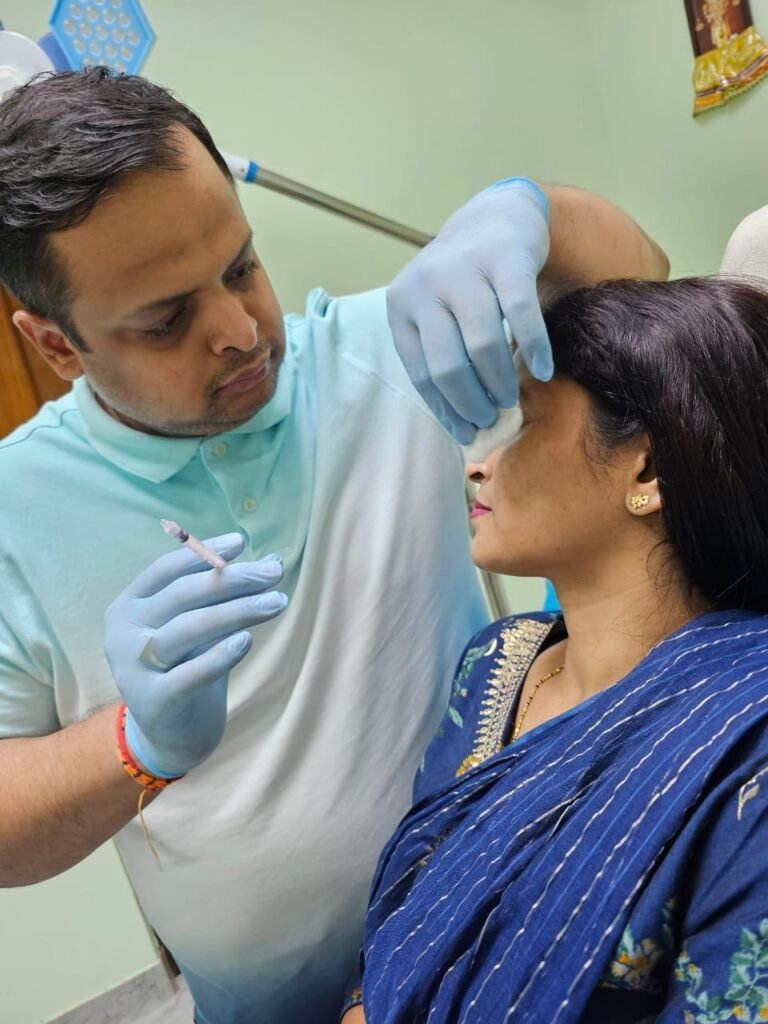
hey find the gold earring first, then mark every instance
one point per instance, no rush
(639, 501)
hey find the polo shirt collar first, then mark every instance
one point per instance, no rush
(158, 458)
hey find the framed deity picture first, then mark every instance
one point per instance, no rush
(729, 55)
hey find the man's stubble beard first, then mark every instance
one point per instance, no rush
(211, 422)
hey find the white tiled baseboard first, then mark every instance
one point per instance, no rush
(152, 997)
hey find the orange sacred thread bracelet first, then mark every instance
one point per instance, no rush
(149, 783)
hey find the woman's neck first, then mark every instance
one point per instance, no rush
(612, 625)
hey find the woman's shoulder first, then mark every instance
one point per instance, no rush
(485, 685)
(512, 641)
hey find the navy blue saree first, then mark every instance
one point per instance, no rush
(609, 866)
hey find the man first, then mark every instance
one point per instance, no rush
(302, 443)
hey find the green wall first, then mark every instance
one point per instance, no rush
(689, 181)
(67, 940)
(406, 107)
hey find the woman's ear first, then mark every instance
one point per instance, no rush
(51, 342)
(641, 493)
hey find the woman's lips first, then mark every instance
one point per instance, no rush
(478, 509)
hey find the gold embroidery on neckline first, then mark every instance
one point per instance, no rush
(520, 644)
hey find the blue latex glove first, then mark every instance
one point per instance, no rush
(173, 636)
(446, 306)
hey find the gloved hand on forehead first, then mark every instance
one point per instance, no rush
(172, 638)
(447, 306)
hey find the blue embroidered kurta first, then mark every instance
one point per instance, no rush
(609, 866)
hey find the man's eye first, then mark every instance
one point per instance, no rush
(168, 327)
(244, 272)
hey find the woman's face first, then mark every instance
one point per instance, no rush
(543, 508)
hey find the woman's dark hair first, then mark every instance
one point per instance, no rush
(64, 141)
(687, 362)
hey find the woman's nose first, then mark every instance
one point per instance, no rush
(476, 472)
(479, 472)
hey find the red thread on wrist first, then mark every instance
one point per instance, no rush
(151, 782)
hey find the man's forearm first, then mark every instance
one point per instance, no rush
(62, 796)
(591, 240)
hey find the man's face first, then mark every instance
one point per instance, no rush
(184, 332)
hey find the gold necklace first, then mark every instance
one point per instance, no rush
(524, 712)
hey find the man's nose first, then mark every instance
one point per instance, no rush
(234, 328)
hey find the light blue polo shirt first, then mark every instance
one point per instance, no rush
(269, 847)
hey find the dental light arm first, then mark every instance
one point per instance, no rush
(248, 171)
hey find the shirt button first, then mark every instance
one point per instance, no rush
(219, 449)
(249, 504)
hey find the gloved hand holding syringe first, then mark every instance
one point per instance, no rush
(172, 638)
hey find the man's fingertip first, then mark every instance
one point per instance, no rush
(543, 368)
(240, 643)
(462, 432)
